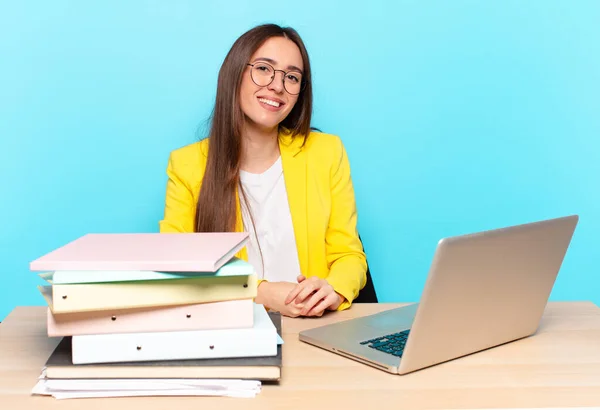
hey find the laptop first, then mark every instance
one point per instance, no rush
(483, 290)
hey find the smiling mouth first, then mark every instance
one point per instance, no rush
(270, 103)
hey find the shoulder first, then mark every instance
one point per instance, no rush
(189, 162)
(325, 150)
(315, 143)
(318, 142)
(193, 153)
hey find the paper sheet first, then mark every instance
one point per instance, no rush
(71, 389)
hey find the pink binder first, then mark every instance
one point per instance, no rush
(168, 252)
(204, 316)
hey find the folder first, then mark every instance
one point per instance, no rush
(202, 316)
(169, 252)
(235, 267)
(126, 295)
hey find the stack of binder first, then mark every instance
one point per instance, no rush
(157, 306)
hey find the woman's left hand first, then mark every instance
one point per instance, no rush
(316, 294)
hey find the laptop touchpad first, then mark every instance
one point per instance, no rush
(395, 320)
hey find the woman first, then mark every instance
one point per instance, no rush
(267, 173)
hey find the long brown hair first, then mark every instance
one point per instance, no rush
(216, 208)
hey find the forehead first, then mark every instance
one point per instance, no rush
(281, 50)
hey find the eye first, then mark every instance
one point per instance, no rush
(293, 78)
(263, 68)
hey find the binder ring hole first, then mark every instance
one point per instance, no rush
(139, 347)
(188, 316)
(64, 296)
(245, 285)
(211, 347)
(113, 318)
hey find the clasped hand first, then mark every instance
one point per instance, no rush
(311, 297)
(308, 297)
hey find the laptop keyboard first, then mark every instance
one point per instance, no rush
(392, 344)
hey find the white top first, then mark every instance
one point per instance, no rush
(267, 198)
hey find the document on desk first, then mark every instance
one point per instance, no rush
(74, 389)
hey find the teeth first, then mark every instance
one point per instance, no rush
(273, 103)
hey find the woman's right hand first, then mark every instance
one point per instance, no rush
(273, 294)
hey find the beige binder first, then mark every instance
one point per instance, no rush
(123, 295)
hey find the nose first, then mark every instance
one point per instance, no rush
(277, 83)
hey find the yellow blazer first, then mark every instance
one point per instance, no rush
(321, 199)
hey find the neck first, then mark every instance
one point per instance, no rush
(260, 149)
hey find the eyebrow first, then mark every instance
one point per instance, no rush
(271, 61)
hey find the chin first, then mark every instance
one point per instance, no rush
(265, 123)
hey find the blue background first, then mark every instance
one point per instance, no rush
(458, 116)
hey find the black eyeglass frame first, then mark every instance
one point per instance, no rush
(302, 82)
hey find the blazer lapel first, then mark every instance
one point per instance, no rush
(293, 161)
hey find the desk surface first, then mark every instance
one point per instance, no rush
(558, 367)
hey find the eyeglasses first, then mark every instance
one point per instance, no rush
(263, 74)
